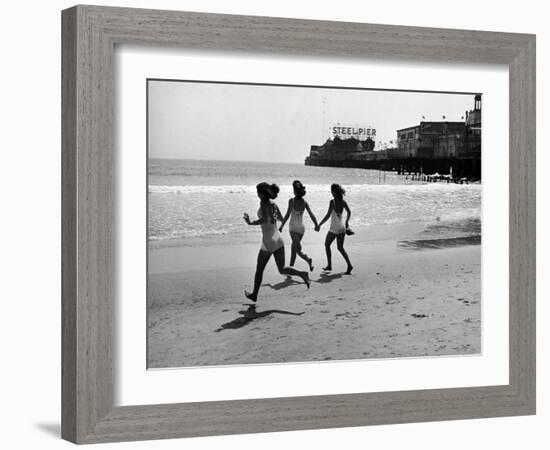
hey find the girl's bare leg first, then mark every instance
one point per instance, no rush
(279, 256)
(297, 250)
(293, 250)
(328, 242)
(263, 258)
(340, 245)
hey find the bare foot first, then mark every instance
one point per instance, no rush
(348, 272)
(306, 279)
(251, 296)
(327, 269)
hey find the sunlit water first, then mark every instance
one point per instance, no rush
(207, 198)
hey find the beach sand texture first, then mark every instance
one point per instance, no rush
(407, 297)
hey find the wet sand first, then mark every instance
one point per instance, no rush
(415, 295)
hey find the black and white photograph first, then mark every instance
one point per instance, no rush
(294, 223)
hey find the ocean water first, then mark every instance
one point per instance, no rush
(189, 198)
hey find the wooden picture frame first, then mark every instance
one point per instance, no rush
(89, 37)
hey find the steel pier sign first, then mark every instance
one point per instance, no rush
(357, 132)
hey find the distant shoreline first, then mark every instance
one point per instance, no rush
(173, 255)
(378, 232)
(298, 163)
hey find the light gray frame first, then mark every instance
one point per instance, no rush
(89, 36)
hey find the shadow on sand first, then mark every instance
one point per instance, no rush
(328, 277)
(251, 314)
(421, 244)
(283, 284)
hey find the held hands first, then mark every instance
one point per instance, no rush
(246, 218)
(317, 227)
(281, 229)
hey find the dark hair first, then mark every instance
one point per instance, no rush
(337, 190)
(268, 190)
(299, 188)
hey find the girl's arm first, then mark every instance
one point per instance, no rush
(330, 208)
(260, 220)
(312, 217)
(278, 212)
(287, 215)
(346, 207)
(253, 222)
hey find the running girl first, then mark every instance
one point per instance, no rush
(296, 208)
(272, 241)
(338, 228)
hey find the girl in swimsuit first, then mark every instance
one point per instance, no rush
(296, 208)
(338, 228)
(272, 241)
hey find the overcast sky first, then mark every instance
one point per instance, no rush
(189, 120)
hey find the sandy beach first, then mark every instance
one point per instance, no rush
(411, 294)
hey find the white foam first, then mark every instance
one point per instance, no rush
(314, 188)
